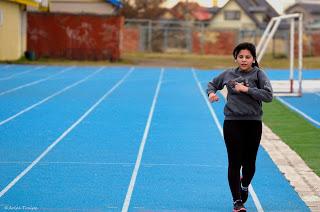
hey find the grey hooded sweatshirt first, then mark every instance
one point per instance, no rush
(243, 106)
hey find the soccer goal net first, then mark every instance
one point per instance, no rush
(292, 86)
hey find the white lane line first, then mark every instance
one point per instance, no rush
(67, 163)
(105, 163)
(214, 116)
(127, 200)
(35, 82)
(49, 97)
(6, 66)
(298, 111)
(64, 134)
(20, 73)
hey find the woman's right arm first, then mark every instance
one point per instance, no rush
(215, 85)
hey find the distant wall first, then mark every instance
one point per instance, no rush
(131, 39)
(214, 42)
(80, 36)
(208, 42)
(315, 43)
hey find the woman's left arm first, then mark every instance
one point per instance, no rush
(264, 90)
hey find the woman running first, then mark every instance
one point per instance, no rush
(248, 86)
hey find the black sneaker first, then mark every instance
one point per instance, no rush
(238, 206)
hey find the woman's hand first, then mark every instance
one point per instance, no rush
(213, 97)
(239, 87)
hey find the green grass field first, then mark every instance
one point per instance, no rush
(294, 130)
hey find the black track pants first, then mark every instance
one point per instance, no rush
(242, 138)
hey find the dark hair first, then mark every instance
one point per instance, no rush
(247, 46)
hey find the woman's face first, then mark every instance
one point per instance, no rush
(245, 60)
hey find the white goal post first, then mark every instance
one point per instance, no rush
(269, 33)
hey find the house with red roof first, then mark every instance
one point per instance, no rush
(190, 11)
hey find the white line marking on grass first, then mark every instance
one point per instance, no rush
(34, 82)
(17, 74)
(127, 200)
(298, 111)
(64, 134)
(214, 116)
(49, 97)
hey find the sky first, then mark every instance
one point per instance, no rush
(279, 5)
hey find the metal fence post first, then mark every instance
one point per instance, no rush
(165, 37)
(202, 39)
(149, 35)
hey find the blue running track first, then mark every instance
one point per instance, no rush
(118, 139)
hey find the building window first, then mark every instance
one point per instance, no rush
(232, 15)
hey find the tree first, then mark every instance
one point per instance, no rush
(142, 9)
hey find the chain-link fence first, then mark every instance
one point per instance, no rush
(199, 37)
(162, 36)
